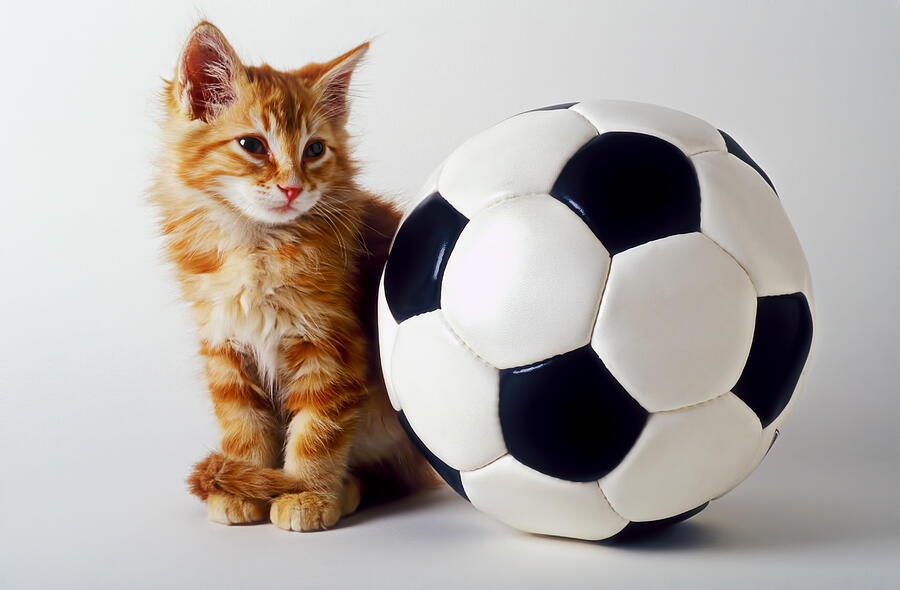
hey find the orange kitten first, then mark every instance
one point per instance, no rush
(279, 253)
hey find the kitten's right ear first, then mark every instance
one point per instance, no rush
(206, 73)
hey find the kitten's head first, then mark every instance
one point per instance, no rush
(266, 144)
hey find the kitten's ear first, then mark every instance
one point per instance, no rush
(206, 73)
(331, 80)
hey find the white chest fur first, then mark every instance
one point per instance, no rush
(246, 303)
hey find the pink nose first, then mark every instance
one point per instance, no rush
(290, 192)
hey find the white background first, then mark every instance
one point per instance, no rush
(102, 407)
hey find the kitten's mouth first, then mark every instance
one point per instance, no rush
(268, 212)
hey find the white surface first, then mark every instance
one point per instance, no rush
(691, 134)
(102, 407)
(450, 404)
(740, 212)
(676, 321)
(531, 501)
(535, 147)
(684, 458)
(523, 282)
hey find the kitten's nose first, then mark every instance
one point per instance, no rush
(290, 192)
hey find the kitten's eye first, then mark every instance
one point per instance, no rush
(314, 150)
(252, 145)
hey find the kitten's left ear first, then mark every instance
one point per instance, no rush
(206, 73)
(332, 81)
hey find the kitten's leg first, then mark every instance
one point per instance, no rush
(249, 430)
(324, 399)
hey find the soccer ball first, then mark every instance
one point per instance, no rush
(597, 318)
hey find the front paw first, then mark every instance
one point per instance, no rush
(306, 511)
(227, 509)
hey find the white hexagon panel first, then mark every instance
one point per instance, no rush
(535, 147)
(676, 321)
(387, 333)
(451, 405)
(741, 213)
(525, 270)
(683, 458)
(541, 504)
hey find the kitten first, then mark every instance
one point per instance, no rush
(279, 253)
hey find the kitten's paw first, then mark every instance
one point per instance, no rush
(228, 509)
(306, 511)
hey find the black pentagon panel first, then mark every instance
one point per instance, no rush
(631, 188)
(636, 531)
(736, 150)
(450, 475)
(554, 107)
(781, 342)
(412, 276)
(568, 417)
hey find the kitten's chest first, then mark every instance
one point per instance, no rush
(250, 302)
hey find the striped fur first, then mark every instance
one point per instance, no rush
(283, 292)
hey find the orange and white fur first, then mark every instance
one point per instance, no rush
(278, 252)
